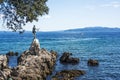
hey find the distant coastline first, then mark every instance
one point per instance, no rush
(94, 29)
(86, 29)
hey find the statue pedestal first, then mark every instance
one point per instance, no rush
(35, 47)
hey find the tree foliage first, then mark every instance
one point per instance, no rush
(19, 12)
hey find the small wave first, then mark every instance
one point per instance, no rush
(87, 39)
(67, 40)
(84, 39)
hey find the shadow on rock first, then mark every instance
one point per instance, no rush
(68, 74)
(11, 53)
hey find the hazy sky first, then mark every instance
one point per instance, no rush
(69, 14)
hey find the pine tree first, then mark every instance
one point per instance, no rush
(19, 12)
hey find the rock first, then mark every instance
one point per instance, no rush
(34, 64)
(16, 54)
(4, 70)
(68, 74)
(7, 72)
(3, 61)
(35, 47)
(65, 58)
(35, 67)
(92, 62)
(53, 52)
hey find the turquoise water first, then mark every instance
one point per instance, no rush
(103, 46)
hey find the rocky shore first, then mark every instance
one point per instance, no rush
(4, 69)
(37, 64)
(33, 64)
(34, 67)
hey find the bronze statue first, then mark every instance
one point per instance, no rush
(34, 31)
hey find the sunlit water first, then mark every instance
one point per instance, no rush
(105, 47)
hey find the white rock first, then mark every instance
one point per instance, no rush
(35, 47)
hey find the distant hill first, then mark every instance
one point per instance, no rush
(94, 29)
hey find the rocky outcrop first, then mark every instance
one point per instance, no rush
(68, 74)
(34, 64)
(35, 47)
(4, 69)
(92, 62)
(5, 73)
(3, 61)
(65, 58)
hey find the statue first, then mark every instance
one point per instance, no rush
(34, 31)
(35, 45)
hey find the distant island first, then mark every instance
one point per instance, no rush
(86, 29)
(94, 29)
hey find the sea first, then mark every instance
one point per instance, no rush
(101, 46)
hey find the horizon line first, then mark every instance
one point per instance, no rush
(65, 29)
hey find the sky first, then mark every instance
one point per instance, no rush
(70, 14)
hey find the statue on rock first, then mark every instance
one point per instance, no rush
(35, 46)
(34, 31)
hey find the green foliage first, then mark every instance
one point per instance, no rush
(19, 12)
(1, 1)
